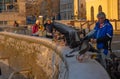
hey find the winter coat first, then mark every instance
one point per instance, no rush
(49, 27)
(103, 35)
(35, 28)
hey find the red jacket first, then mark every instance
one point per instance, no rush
(35, 28)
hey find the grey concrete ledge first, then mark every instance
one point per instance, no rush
(73, 69)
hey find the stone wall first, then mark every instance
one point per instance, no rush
(32, 57)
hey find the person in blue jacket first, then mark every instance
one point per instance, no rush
(102, 34)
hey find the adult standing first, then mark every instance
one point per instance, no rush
(103, 33)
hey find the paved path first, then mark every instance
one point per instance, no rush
(88, 69)
(116, 42)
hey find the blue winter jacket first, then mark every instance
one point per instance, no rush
(103, 35)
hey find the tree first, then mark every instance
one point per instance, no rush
(33, 8)
(50, 8)
(46, 8)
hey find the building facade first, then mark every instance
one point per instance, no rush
(72, 9)
(27, 11)
(11, 11)
(66, 9)
(18, 10)
(110, 7)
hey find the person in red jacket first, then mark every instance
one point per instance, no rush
(35, 28)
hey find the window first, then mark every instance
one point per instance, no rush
(15, 0)
(92, 13)
(3, 22)
(9, 5)
(81, 5)
(100, 8)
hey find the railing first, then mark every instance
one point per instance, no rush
(23, 45)
(19, 30)
(90, 24)
(116, 24)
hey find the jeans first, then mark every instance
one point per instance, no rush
(103, 57)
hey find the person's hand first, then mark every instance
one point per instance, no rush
(93, 40)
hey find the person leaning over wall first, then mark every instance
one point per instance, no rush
(103, 33)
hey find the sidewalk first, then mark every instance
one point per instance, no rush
(89, 69)
(116, 42)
